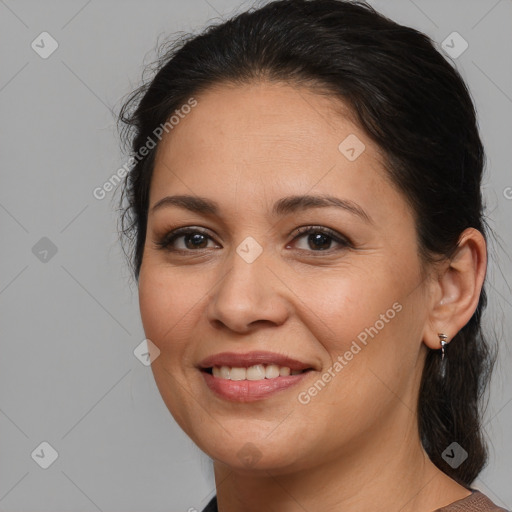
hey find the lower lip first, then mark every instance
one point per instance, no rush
(250, 390)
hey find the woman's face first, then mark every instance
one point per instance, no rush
(244, 289)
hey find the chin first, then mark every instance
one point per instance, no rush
(250, 454)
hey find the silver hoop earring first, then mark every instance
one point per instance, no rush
(442, 339)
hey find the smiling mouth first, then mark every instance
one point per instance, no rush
(252, 373)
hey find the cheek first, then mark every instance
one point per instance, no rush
(341, 304)
(166, 309)
(371, 332)
(166, 305)
(367, 322)
(153, 301)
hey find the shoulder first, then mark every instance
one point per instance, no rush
(475, 502)
(212, 505)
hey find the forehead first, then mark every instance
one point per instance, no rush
(266, 136)
(271, 114)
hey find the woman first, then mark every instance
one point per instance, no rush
(307, 233)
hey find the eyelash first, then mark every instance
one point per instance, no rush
(165, 243)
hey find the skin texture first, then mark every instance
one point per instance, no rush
(355, 446)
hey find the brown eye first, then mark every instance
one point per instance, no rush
(193, 239)
(319, 239)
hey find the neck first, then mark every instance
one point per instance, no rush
(388, 469)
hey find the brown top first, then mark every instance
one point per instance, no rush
(475, 502)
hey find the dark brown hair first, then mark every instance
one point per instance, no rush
(408, 98)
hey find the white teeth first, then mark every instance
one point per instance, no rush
(237, 374)
(272, 371)
(255, 372)
(224, 372)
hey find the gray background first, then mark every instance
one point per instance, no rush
(70, 320)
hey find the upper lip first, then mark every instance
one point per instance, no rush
(247, 359)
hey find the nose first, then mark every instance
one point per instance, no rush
(248, 295)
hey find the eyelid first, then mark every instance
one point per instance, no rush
(167, 239)
(331, 233)
(307, 228)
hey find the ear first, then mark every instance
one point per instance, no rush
(456, 288)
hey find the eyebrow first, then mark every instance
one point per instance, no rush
(283, 206)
